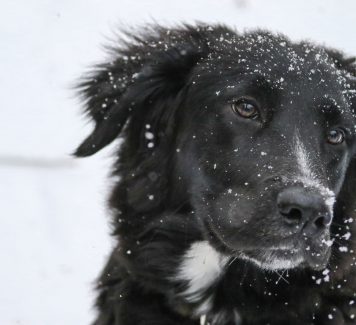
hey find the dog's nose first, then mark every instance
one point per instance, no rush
(304, 209)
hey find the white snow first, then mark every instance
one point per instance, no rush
(328, 243)
(54, 229)
(149, 135)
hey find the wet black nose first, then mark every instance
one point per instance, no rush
(304, 209)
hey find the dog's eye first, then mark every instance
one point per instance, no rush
(245, 108)
(336, 136)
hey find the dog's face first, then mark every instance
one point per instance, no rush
(267, 141)
(258, 131)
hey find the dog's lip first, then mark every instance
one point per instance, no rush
(296, 248)
(316, 260)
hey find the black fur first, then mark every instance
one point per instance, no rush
(173, 190)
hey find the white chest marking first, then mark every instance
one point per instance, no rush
(201, 266)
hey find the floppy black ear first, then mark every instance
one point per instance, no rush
(153, 67)
(342, 62)
(347, 65)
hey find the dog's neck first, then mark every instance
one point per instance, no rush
(201, 267)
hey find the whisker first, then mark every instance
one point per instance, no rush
(281, 277)
(233, 260)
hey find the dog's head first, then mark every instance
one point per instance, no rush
(253, 132)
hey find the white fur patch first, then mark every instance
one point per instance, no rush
(304, 164)
(271, 262)
(221, 317)
(201, 266)
(203, 320)
(307, 176)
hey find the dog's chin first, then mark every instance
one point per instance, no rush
(302, 253)
(284, 259)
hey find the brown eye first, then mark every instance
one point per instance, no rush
(245, 108)
(336, 136)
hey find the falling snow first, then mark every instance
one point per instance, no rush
(149, 135)
(35, 181)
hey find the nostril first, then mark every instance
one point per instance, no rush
(293, 215)
(317, 225)
(320, 222)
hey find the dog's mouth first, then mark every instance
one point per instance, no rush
(298, 252)
(282, 258)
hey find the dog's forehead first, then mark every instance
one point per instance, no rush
(277, 59)
(300, 71)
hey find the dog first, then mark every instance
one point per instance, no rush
(235, 193)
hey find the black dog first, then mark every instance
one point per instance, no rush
(237, 184)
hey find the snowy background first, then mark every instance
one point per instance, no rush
(54, 233)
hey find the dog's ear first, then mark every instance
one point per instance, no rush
(343, 62)
(348, 66)
(150, 69)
